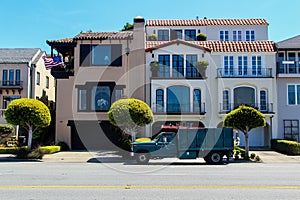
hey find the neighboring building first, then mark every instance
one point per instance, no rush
(288, 88)
(96, 75)
(23, 75)
(242, 70)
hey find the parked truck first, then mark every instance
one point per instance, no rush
(212, 144)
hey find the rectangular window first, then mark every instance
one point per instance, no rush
(224, 35)
(293, 94)
(191, 70)
(100, 98)
(159, 100)
(256, 65)
(281, 66)
(292, 67)
(163, 35)
(47, 81)
(82, 100)
(11, 76)
(164, 65)
(291, 129)
(38, 78)
(176, 34)
(237, 35)
(242, 65)
(177, 70)
(190, 35)
(250, 35)
(4, 77)
(18, 77)
(228, 65)
(101, 55)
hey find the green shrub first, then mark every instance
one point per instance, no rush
(6, 129)
(63, 146)
(50, 149)
(201, 37)
(152, 37)
(8, 150)
(257, 158)
(286, 146)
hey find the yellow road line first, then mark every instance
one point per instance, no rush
(149, 187)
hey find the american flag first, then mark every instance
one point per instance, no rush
(53, 61)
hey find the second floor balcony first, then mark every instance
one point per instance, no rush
(244, 72)
(179, 108)
(11, 84)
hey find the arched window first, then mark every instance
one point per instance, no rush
(178, 99)
(244, 96)
(226, 101)
(159, 100)
(197, 101)
(263, 100)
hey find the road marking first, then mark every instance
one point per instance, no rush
(149, 187)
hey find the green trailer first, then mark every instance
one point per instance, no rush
(212, 144)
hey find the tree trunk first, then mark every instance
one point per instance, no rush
(29, 138)
(246, 145)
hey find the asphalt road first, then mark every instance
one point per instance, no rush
(40, 180)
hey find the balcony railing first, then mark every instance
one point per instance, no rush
(60, 72)
(179, 108)
(244, 72)
(264, 108)
(293, 68)
(11, 84)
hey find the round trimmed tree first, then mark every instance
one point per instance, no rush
(129, 115)
(245, 118)
(29, 113)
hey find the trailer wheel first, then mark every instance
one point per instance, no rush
(214, 158)
(142, 158)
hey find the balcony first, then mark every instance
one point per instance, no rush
(263, 108)
(288, 69)
(11, 85)
(179, 109)
(244, 73)
(63, 73)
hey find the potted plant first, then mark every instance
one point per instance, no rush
(201, 67)
(154, 67)
(152, 37)
(201, 37)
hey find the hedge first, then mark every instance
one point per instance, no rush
(286, 146)
(45, 149)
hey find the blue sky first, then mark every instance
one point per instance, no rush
(30, 23)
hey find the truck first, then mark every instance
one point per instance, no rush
(212, 144)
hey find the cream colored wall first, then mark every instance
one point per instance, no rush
(38, 89)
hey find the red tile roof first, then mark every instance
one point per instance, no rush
(104, 35)
(219, 46)
(94, 36)
(206, 22)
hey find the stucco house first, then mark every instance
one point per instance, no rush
(288, 88)
(241, 70)
(96, 75)
(23, 75)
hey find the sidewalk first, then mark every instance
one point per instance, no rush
(267, 156)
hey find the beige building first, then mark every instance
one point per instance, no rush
(23, 75)
(96, 75)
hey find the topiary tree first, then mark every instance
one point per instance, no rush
(130, 114)
(29, 113)
(245, 118)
